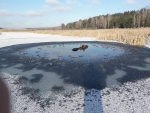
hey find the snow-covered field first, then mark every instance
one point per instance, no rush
(12, 38)
(127, 98)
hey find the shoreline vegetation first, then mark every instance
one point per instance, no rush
(132, 36)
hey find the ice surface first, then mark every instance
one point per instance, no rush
(146, 68)
(140, 68)
(147, 60)
(130, 97)
(65, 51)
(49, 79)
(126, 98)
(112, 79)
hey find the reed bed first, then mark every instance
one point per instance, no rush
(137, 36)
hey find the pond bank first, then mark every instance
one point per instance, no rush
(137, 36)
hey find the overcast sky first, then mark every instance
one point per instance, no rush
(48, 13)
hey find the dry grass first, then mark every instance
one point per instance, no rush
(129, 36)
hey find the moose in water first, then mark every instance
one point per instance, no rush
(82, 47)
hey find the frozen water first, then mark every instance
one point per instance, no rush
(105, 77)
(112, 79)
(65, 51)
(146, 67)
(147, 60)
(140, 68)
(45, 84)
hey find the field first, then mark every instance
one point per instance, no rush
(137, 36)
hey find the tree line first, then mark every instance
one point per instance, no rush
(128, 19)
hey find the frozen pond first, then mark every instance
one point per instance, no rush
(45, 70)
(50, 65)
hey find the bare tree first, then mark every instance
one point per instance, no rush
(97, 21)
(143, 15)
(103, 22)
(138, 18)
(80, 23)
(108, 20)
(62, 26)
(93, 22)
(134, 20)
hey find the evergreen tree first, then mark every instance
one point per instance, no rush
(128, 19)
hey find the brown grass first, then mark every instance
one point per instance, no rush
(128, 36)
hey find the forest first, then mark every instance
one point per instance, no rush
(128, 19)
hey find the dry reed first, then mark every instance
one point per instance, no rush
(135, 36)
